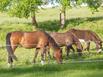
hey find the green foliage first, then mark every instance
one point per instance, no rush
(4, 4)
(64, 4)
(21, 8)
(79, 2)
(94, 4)
(25, 7)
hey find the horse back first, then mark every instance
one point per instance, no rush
(73, 37)
(29, 39)
(16, 37)
(62, 39)
(87, 35)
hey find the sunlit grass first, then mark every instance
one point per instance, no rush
(48, 20)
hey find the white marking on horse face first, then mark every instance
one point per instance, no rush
(99, 50)
(82, 40)
(42, 62)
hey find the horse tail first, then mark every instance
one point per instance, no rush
(9, 48)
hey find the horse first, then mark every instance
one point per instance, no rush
(87, 36)
(35, 39)
(67, 39)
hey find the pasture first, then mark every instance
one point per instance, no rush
(48, 20)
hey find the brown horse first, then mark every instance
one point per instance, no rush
(36, 39)
(87, 36)
(67, 39)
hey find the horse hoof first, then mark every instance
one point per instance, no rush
(42, 62)
(67, 57)
(33, 62)
(10, 65)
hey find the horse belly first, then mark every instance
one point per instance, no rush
(41, 43)
(84, 41)
(28, 43)
(61, 43)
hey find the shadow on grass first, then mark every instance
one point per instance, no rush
(49, 25)
(54, 25)
(77, 21)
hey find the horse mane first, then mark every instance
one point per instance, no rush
(52, 42)
(95, 36)
(74, 37)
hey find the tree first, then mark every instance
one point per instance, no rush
(21, 8)
(63, 5)
(92, 4)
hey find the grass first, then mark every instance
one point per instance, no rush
(48, 20)
(50, 70)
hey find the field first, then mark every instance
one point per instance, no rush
(89, 65)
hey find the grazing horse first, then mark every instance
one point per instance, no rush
(36, 39)
(67, 39)
(87, 36)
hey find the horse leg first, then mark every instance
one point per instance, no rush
(98, 48)
(72, 49)
(79, 48)
(43, 53)
(10, 59)
(68, 50)
(48, 52)
(35, 55)
(49, 56)
(88, 46)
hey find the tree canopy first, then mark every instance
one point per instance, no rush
(92, 4)
(25, 8)
(20, 8)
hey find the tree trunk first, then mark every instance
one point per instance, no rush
(34, 22)
(62, 19)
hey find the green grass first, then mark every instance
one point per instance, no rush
(55, 70)
(48, 20)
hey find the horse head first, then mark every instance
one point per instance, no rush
(58, 55)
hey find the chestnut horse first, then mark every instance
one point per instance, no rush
(87, 36)
(36, 39)
(67, 39)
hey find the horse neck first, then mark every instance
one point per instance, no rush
(95, 38)
(77, 42)
(79, 46)
(53, 44)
